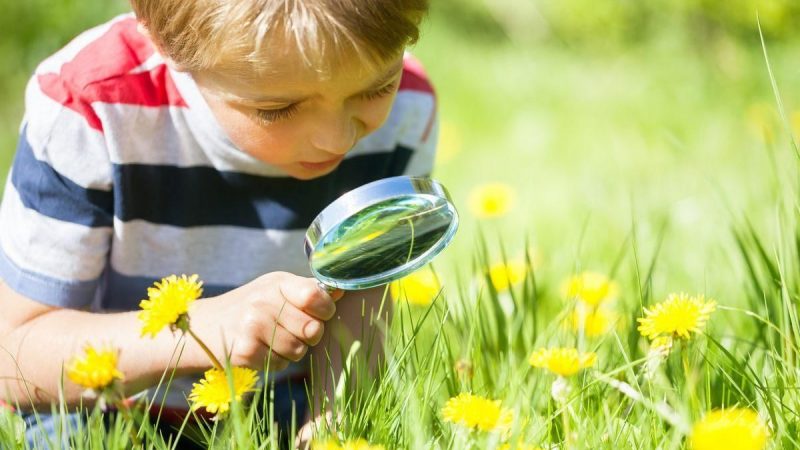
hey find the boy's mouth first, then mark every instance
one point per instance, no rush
(316, 166)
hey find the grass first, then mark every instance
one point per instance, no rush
(665, 165)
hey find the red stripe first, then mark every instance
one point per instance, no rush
(414, 77)
(118, 51)
(53, 86)
(100, 73)
(152, 88)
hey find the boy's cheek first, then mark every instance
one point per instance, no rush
(374, 114)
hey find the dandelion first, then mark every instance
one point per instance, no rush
(505, 275)
(476, 412)
(676, 317)
(168, 304)
(213, 391)
(591, 288)
(357, 444)
(564, 362)
(420, 288)
(518, 446)
(591, 323)
(491, 200)
(95, 369)
(731, 429)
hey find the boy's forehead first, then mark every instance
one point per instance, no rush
(291, 76)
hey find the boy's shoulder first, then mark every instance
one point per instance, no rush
(111, 63)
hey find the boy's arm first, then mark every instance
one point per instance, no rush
(277, 315)
(351, 322)
(36, 340)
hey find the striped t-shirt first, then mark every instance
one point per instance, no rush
(123, 176)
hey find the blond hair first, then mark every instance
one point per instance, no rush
(240, 36)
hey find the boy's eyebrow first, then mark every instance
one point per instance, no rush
(383, 79)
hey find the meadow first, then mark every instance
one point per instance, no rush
(597, 176)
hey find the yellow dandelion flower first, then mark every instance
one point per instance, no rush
(419, 288)
(592, 323)
(95, 369)
(168, 303)
(731, 429)
(562, 361)
(325, 445)
(213, 391)
(357, 444)
(491, 200)
(473, 411)
(519, 446)
(678, 316)
(505, 275)
(591, 288)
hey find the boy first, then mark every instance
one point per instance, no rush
(200, 137)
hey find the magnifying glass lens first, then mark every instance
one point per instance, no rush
(383, 238)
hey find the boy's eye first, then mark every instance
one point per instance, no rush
(274, 115)
(382, 92)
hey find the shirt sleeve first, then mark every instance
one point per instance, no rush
(56, 214)
(424, 156)
(419, 130)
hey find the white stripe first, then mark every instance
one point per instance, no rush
(53, 63)
(425, 155)
(224, 255)
(149, 64)
(62, 138)
(50, 247)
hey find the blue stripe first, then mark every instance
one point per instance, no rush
(44, 289)
(123, 292)
(44, 190)
(202, 196)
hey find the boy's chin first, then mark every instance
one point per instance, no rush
(299, 172)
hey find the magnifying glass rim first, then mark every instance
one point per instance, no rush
(368, 195)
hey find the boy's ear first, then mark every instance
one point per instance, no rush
(141, 28)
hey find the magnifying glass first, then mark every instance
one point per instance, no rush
(380, 232)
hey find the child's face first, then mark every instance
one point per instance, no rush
(299, 121)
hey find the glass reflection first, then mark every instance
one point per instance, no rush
(382, 238)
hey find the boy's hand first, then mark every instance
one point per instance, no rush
(278, 313)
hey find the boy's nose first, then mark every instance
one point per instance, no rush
(337, 135)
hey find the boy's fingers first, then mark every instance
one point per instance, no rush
(305, 327)
(284, 343)
(336, 294)
(305, 294)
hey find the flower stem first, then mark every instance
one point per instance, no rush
(205, 348)
(565, 426)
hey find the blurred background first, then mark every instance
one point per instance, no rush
(578, 130)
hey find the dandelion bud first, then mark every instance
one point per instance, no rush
(463, 368)
(560, 390)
